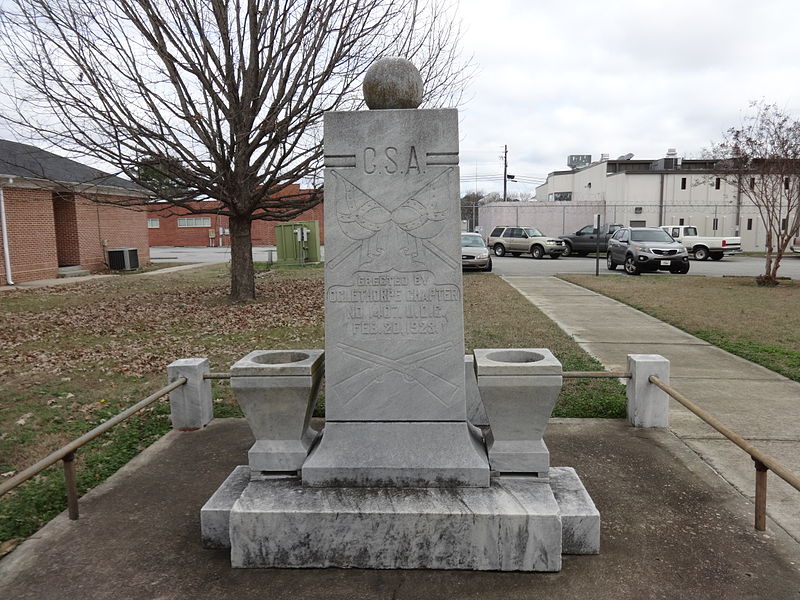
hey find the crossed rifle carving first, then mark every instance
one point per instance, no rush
(409, 366)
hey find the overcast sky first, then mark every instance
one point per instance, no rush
(587, 77)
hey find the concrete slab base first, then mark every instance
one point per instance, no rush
(580, 519)
(214, 516)
(516, 524)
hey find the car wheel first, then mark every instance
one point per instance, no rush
(701, 253)
(567, 249)
(499, 250)
(488, 267)
(537, 252)
(631, 268)
(610, 264)
(716, 256)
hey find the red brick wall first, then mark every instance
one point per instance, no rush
(31, 235)
(103, 226)
(38, 223)
(263, 232)
(169, 234)
(66, 224)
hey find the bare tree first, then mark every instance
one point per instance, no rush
(217, 99)
(761, 159)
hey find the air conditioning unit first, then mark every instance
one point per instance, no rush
(123, 259)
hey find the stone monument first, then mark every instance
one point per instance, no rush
(399, 477)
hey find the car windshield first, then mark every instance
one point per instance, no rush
(533, 232)
(650, 235)
(472, 241)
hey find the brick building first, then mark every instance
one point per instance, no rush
(174, 226)
(56, 212)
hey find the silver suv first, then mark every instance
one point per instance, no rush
(646, 249)
(521, 240)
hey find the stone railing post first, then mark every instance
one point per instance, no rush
(191, 405)
(648, 406)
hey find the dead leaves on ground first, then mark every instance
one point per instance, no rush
(141, 331)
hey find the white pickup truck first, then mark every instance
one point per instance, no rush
(702, 247)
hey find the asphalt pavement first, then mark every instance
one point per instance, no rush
(730, 266)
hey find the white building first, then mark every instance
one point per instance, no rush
(637, 193)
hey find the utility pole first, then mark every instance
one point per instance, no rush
(505, 172)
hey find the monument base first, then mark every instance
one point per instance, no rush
(398, 454)
(515, 524)
(520, 456)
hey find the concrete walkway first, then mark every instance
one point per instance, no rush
(756, 403)
(671, 529)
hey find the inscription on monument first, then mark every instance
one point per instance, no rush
(394, 320)
(405, 304)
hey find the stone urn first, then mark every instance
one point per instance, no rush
(277, 390)
(518, 388)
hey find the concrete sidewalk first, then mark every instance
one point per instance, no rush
(757, 403)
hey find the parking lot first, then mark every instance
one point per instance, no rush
(523, 265)
(728, 266)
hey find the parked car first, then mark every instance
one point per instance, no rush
(474, 253)
(587, 239)
(795, 247)
(646, 249)
(522, 240)
(704, 247)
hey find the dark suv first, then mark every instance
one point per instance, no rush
(646, 249)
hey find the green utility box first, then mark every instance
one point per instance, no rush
(297, 242)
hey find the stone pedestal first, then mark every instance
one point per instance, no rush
(515, 524)
(277, 390)
(518, 387)
(453, 451)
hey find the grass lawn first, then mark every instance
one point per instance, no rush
(757, 323)
(72, 356)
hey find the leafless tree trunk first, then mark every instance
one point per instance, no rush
(218, 99)
(762, 158)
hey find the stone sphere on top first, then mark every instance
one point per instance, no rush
(392, 82)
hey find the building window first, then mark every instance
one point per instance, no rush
(680, 222)
(638, 224)
(749, 224)
(786, 183)
(784, 223)
(194, 221)
(637, 210)
(752, 183)
(562, 196)
(153, 223)
(715, 224)
(717, 183)
(683, 183)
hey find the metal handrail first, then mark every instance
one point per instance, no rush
(565, 375)
(596, 375)
(67, 453)
(763, 461)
